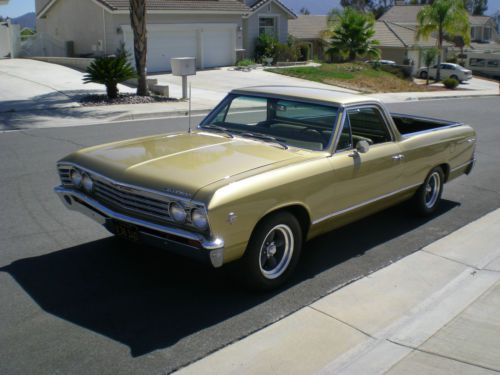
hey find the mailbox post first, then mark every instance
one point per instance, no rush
(183, 67)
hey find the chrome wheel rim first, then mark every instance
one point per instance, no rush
(432, 190)
(276, 251)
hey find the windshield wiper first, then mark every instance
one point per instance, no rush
(218, 128)
(265, 137)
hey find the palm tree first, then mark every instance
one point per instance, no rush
(444, 17)
(351, 32)
(138, 22)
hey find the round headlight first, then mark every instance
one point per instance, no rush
(87, 183)
(177, 212)
(199, 219)
(76, 177)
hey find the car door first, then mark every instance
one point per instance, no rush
(359, 179)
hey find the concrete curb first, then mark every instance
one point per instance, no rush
(164, 114)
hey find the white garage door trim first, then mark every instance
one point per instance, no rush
(201, 31)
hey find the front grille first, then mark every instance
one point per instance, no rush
(130, 200)
(64, 174)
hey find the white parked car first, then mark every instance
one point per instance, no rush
(381, 62)
(448, 70)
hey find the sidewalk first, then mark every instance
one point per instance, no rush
(436, 311)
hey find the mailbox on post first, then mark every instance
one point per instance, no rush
(183, 67)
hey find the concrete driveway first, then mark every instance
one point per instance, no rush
(29, 85)
(216, 83)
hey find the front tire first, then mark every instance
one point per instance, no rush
(428, 196)
(272, 252)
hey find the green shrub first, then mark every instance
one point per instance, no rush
(265, 46)
(245, 63)
(285, 52)
(110, 71)
(450, 83)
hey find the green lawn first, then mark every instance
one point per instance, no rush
(357, 76)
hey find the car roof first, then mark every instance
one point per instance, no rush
(308, 93)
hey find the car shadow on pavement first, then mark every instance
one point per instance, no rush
(148, 299)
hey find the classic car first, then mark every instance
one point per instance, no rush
(266, 170)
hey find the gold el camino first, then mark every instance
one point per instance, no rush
(266, 170)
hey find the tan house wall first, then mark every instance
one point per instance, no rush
(78, 21)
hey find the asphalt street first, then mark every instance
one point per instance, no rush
(76, 300)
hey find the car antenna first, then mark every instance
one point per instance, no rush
(189, 111)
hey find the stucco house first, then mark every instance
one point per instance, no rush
(308, 30)
(213, 31)
(484, 34)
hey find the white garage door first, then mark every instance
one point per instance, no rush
(218, 48)
(163, 45)
(212, 44)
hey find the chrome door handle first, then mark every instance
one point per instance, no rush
(398, 157)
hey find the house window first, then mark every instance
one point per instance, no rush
(487, 34)
(475, 33)
(267, 25)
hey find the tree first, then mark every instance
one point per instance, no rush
(305, 11)
(138, 22)
(429, 55)
(476, 7)
(351, 34)
(110, 71)
(443, 17)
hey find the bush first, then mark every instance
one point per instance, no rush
(450, 83)
(110, 71)
(245, 63)
(265, 46)
(285, 52)
(401, 71)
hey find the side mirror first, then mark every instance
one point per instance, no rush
(362, 147)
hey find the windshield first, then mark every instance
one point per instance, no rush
(285, 122)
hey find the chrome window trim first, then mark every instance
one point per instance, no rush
(373, 200)
(379, 108)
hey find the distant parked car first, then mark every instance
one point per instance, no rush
(381, 62)
(448, 70)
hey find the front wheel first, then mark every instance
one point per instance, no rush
(429, 194)
(272, 252)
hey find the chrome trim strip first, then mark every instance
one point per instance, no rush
(337, 213)
(61, 191)
(462, 165)
(138, 188)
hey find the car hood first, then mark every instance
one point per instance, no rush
(180, 164)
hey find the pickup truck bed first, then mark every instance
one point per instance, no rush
(413, 124)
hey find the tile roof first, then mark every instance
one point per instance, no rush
(208, 5)
(407, 14)
(402, 14)
(308, 27)
(390, 34)
(258, 3)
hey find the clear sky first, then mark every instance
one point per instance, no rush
(17, 8)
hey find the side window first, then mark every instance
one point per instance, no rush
(368, 124)
(345, 141)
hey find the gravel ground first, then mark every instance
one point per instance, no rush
(102, 99)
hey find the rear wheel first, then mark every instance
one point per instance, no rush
(272, 252)
(429, 194)
(423, 75)
(455, 78)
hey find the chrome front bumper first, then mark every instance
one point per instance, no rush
(173, 239)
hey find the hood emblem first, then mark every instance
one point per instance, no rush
(177, 192)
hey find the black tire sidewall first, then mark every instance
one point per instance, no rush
(251, 274)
